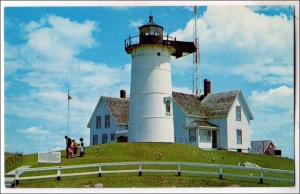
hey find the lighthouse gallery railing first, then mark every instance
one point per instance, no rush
(135, 40)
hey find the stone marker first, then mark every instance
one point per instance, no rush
(99, 185)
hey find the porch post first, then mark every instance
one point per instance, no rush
(197, 136)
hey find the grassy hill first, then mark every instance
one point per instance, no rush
(123, 152)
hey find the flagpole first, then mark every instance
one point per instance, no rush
(68, 121)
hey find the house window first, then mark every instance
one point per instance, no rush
(104, 138)
(98, 122)
(238, 113)
(192, 135)
(167, 101)
(95, 139)
(112, 137)
(239, 136)
(107, 121)
(205, 135)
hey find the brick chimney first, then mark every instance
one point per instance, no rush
(206, 87)
(122, 93)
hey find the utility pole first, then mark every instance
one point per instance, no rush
(196, 57)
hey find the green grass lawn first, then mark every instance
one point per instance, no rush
(165, 152)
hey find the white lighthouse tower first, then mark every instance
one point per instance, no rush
(150, 109)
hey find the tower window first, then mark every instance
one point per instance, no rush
(167, 101)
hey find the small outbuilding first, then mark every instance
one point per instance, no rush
(265, 147)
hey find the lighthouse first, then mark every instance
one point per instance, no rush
(150, 109)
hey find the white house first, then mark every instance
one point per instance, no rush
(109, 121)
(211, 121)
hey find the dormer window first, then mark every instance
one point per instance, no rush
(167, 101)
(238, 113)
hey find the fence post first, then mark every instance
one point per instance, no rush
(221, 172)
(58, 174)
(140, 169)
(179, 169)
(17, 177)
(99, 174)
(261, 178)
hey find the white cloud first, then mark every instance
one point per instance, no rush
(190, 8)
(281, 97)
(266, 71)
(280, 8)
(47, 64)
(34, 131)
(136, 23)
(273, 117)
(186, 90)
(235, 36)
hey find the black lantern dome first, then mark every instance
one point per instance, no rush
(151, 32)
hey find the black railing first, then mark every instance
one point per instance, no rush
(136, 40)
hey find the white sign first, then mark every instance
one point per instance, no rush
(49, 157)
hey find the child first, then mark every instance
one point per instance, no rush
(71, 151)
(82, 145)
(80, 149)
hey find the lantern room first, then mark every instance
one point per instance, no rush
(151, 33)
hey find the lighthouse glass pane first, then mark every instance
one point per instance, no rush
(145, 31)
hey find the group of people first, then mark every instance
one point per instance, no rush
(72, 147)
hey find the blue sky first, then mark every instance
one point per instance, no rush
(48, 50)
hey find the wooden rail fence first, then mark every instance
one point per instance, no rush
(178, 170)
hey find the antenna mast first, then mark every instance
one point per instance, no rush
(196, 60)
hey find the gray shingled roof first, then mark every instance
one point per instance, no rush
(118, 107)
(213, 105)
(219, 104)
(259, 146)
(190, 104)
